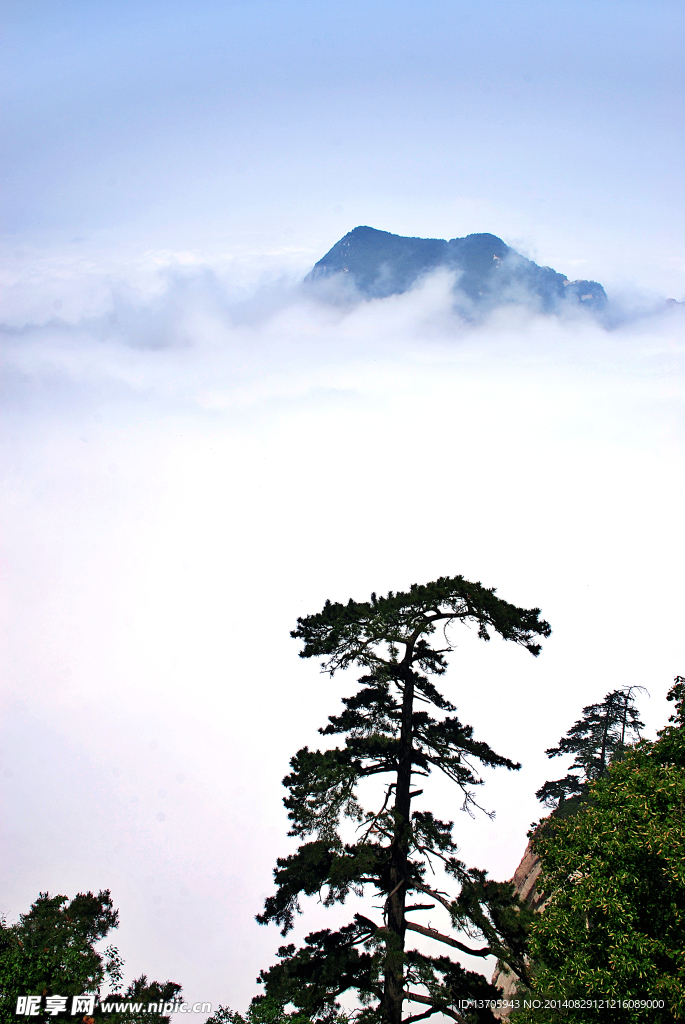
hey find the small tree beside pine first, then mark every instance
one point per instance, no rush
(602, 735)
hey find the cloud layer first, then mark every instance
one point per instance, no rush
(197, 454)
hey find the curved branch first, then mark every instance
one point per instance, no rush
(420, 1016)
(432, 933)
(416, 997)
(434, 894)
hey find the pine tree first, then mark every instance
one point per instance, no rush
(390, 733)
(601, 736)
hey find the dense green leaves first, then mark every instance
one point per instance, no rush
(142, 992)
(319, 868)
(51, 951)
(614, 924)
(267, 1011)
(329, 963)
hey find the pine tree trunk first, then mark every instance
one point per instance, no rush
(393, 993)
(604, 744)
(625, 719)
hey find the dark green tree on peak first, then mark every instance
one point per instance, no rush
(398, 728)
(603, 734)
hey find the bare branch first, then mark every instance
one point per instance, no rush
(434, 894)
(433, 933)
(420, 1016)
(373, 818)
(416, 997)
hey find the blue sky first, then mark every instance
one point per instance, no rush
(190, 438)
(555, 124)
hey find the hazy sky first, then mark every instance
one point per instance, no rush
(196, 451)
(556, 124)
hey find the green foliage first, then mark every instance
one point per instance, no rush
(267, 1011)
(144, 992)
(391, 731)
(350, 634)
(51, 951)
(614, 924)
(603, 734)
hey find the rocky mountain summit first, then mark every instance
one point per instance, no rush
(489, 272)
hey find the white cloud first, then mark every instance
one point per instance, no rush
(196, 455)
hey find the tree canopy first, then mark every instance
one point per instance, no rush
(397, 727)
(603, 734)
(51, 951)
(613, 926)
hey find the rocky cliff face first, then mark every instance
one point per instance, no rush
(488, 272)
(525, 883)
(525, 879)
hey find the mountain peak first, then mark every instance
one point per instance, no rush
(490, 273)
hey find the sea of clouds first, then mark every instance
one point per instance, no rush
(196, 452)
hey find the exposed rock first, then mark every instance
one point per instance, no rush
(490, 273)
(525, 879)
(525, 883)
